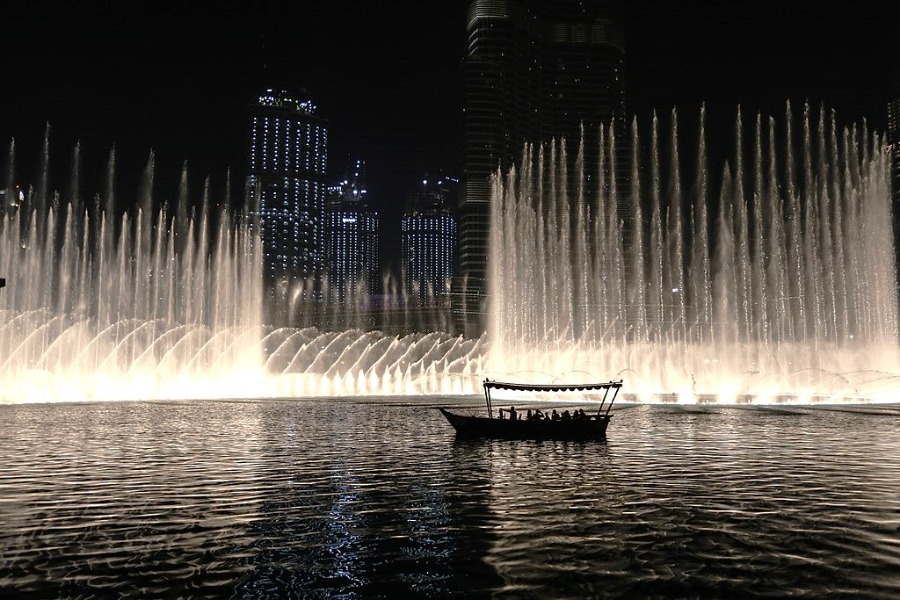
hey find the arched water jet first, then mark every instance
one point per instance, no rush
(166, 303)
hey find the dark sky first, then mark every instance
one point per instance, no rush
(177, 77)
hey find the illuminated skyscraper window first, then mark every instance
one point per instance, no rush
(288, 156)
(428, 237)
(352, 238)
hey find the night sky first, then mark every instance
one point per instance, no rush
(177, 77)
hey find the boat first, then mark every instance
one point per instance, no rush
(582, 427)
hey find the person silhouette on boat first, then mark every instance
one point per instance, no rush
(566, 416)
(554, 415)
(513, 415)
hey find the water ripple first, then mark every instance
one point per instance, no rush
(371, 499)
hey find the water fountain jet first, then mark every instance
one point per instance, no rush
(794, 276)
(693, 294)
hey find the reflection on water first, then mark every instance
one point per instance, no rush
(373, 498)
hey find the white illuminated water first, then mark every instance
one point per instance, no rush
(777, 285)
(160, 304)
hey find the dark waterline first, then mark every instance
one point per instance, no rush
(376, 498)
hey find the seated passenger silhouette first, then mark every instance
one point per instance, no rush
(512, 413)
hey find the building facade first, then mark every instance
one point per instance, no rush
(286, 182)
(428, 238)
(534, 71)
(893, 135)
(352, 238)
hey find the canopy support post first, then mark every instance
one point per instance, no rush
(602, 402)
(487, 398)
(615, 394)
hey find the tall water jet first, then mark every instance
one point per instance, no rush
(164, 302)
(771, 279)
(106, 308)
(782, 285)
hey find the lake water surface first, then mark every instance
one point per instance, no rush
(375, 498)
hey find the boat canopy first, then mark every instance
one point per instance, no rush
(552, 387)
(606, 388)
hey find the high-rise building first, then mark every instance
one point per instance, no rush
(893, 134)
(352, 237)
(428, 237)
(288, 155)
(534, 71)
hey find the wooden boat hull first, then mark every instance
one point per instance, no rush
(484, 427)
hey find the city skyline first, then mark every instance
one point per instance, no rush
(178, 81)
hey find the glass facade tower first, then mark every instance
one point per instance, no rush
(893, 135)
(288, 155)
(534, 71)
(352, 238)
(428, 237)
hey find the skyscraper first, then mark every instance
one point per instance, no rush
(534, 71)
(428, 236)
(352, 237)
(288, 155)
(893, 135)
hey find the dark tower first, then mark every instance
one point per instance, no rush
(893, 135)
(534, 71)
